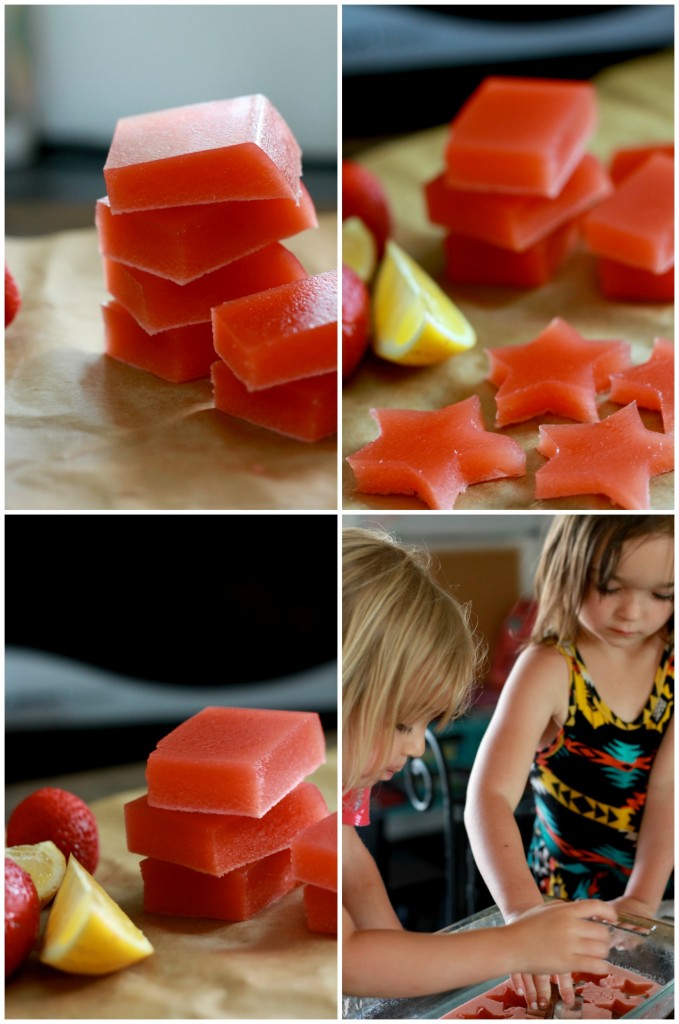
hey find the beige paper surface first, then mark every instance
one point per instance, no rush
(86, 432)
(635, 108)
(271, 967)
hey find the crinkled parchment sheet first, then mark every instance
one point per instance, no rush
(86, 432)
(635, 107)
(271, 967)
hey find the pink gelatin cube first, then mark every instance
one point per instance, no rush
(524, 135)
(234, 760)
(236, 896)
(280, 334)
(304, 409)
(320, 907)
(217, 843)
(238, 148)
(624, 161)
(177, 355)
(314, 853)
(635, 225)
(513, 221)
(158, 304)
(186, 242)
(469, 261)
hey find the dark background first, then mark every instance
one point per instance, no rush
(181, 601)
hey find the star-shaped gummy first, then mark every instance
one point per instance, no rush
(651, 384)
(559, 373)
(435, 454)
(615, 457)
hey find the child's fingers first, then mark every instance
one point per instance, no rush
(595, 908)
(543, 989)
(592, 965)
(565, 983)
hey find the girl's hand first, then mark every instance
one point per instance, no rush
(630, 905)
(537, 988)
(558, 938)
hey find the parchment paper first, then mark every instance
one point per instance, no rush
(271, 967)
(635, 107)
(86, 432)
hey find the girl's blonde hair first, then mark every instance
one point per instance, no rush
(408, 651)
(581, 552)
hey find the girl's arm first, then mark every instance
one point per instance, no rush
(393, 963)
(363, 891)
(535, 694)
(654, 858)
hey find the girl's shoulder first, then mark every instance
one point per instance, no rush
(537, 659)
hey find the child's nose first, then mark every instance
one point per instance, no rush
(416, 742)
(629, 606)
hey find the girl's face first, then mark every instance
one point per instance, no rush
(638, 599)
(408, 741)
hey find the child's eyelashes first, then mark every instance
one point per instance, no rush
(609, 591)
(404, 728)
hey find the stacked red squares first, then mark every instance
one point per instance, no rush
(278, 351)
(198, 200)
(516, 181)
(226, 798)
(314, 862)
(632, 231)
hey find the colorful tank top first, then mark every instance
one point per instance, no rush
(590, 787)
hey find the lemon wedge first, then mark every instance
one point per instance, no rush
(87, 932)
(46, 865)
(359, 248)
(416, 323)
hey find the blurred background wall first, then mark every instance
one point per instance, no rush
(118, 630)
(409, 67)
(73, 69)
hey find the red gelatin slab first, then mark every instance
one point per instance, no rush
(217, 843)
(158, 304)
(469, 261)
(281, 334)
(651, 384)
(616, 457)
(623, 283)
(176, 355)
(559, 373)
(503, 1002)
(234, 760)
(524, 135)
(304, 409)
(320, 907)
(185, 242)
(238, 148)
(635, 224)
(435, 455)
(516, 222)
(314, 853)
(624, 161)
(236, 896)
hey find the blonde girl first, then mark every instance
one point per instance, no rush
(586, 716)
(409, 659)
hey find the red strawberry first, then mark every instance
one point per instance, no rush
(22, 915)
(363, 196)
(56, 814)
(12, 297)
(355, 321)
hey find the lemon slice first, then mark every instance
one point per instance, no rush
(87, 932)
(416, 323)
(46, 865)
(359, 248)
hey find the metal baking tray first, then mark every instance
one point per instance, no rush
(641, 945)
